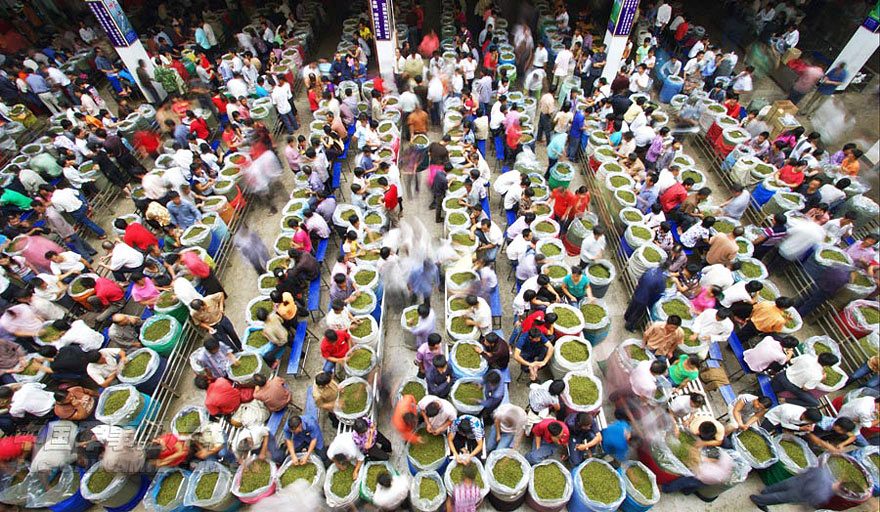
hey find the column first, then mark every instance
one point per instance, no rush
(384, 35)
(860, 47)
(619, 26)
(124, 39)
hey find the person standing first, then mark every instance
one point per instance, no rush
(814, 487)
(650, 287)
(806, 80)
(827, 86)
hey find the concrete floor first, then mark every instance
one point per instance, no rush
(240, 280)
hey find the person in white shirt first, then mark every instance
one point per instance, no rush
(28, 400)
(593, 246)
(742, 291)
(742, 83)
(67, 200)
(255, 440)
(561, 65)
(123, 259)
(281, 97)
(343, 451)
(718, 275)
(640, 81)
(747, 410)
(518, 246)
(682, 407)
(478, 314)
(791, 417)
(803, 375)
(840, 228)
(664, 14)
(864, 411)
(643, 378)
(103, 371)
(66, 263)
(540, 57)
(237, 87)
(770, 353)
(437, 414)
(78, 333)
(391, 491)
(713, 325)
(86, 33)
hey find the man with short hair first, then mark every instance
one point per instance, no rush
(209, 314)
(550, 436)
(465, 438)
(662, 338)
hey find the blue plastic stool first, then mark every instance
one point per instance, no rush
(75, 503)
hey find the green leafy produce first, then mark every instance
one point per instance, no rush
(862, 280)
(188, 423)
(360, 359)
(640, 479)
(267, 282)
(432, 448)
(756, 445)
(99, 480)
(542, 209)
(743, 246)
(566, 318)
(307, 472)
(545, 227)
(282, 262)
(463, 239)
(168, 488)
(414, 388)
(283, 242)
(767, 294)
(373, 476)
(361, 330)
(373, 219)
(166, 300)
(115, 401)
(832, 255)
(353, 398)
(461, 278)
(651, 255)
(605, 152)
(551, 250)
(736, 134)
(574, 351)
(429, 489)
(458, 304)
(641, 232)
(600, 483)
(458, 326)
(364, 277)
(555, 272)
(764, 169)
(689, 338)
(632, 216)
(549, 482)
(751, 270)
(455, 476)
(261, 304)
(466, 356)
(680, 446)
(795, 452)
(77, 287)
(869, 348)
(626, 196)
(469, 393)
(508, 471)
(455, 185)
(821, 348)
(215, 201)
(593, 313)
(247, 364)
(723, 226)
(31, 369)
(195, 231)
(875, 459)
(257, 338)
(588, 226)
(456, 218)
(793, 198)
(157, 330)
(362, 301)
(677, 307)
(255, 475)
(619, 181)
(637, 353)
(832, 377)
(697, 177)
(872, 315)
(136, 366)
(599, 271)
(49, 334)
(582, 390)
(412, 317)
(849, 475)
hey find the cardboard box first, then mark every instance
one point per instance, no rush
(779, 109)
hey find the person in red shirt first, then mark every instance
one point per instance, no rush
(197, 125)
(147, 143)
(675, 195)
(681, 31)
(406, 419)
(200, 269)
(562, 200)
(793, 173)
(109, 297)
(392, 201)
(16, 447)
(334, 347)
(549, 435)
(136, 235)
(167, 450)
(221, 397)
(513, 136)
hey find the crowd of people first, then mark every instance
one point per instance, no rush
(74, 313)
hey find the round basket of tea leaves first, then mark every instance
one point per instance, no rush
(552, 248)
(429, 455)
(756, 447)
(249, 365)
(569, 320)
(312, 472)
(255, 479)
(550, 486)
(254, 305)
(452, 476)
(167, 489)
(108, 489)
(427, 492)
(637, 235)
(856, 482)
(160, 333)
(210, 487)
(140, 366)
(460, 280)
(583, 391)
(556, 271)
(641, 485)
(677, 305)
(544, 227)
(572, 353)
(414, 386)
(597, 486)
(363, 304)
(360, 361)
(366, 277)
(462, 240)
(355, 400)
(794, 453)
(508, 473)
(189, 420)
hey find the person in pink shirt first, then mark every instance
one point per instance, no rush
(706, 298)
(643, 378)
(770, 353)
(143, 291)
(300, 239)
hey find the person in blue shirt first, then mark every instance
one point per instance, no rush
(648, 194)
(532, 351)
(260, 88)
(438, 376)
(575, 134)
(651, 286)
(302, 434)
(183, 213)
(616, 437)
(493, 394)
(829, 83)
(555, 151)
(583, 436)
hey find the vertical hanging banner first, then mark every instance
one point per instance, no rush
(113, 21)
(381, 13)
(623, 13)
